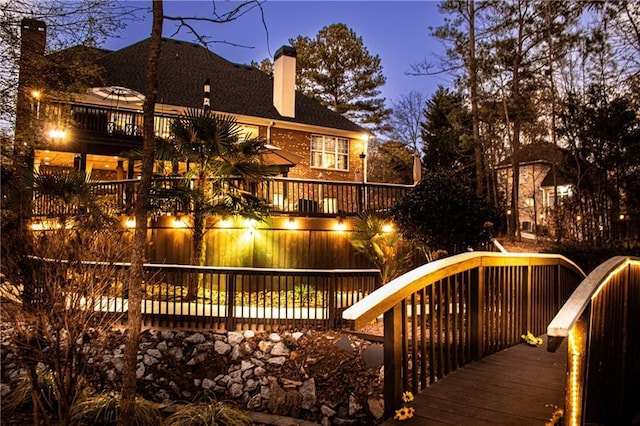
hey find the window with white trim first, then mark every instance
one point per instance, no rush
(328, 152)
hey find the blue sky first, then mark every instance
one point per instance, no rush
(397, 31)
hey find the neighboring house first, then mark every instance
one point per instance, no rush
(536, 185)
(93, 129)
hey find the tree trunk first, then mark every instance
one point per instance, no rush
(134, 317)
(473, 83)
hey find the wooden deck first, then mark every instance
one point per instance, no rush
(521, 385)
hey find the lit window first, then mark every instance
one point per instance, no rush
(329, 152)
(249, 132)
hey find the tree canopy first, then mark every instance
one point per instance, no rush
(444, 212)
(337, 69)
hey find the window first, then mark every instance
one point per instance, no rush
(248, 131)
(329, 152)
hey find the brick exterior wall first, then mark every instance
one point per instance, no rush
(299, 143)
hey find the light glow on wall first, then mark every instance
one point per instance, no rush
(179, 222)
(291, 223)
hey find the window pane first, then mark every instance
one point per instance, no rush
(342, 162)
(316, 143)
(330, 145)
(343, 146)
(316, 159)
(330, 161)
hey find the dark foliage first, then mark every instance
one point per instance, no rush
(444, 212)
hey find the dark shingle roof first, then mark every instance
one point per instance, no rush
(236, 89)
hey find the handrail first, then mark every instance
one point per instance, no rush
(600, 322)
(580, 299)
(397, 290)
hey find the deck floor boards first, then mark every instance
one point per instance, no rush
(521, 385)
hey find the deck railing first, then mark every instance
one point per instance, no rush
(227, 298)
(450, 312)
(302, 197)
(602, 322)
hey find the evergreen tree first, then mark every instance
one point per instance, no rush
(446, 133)
(336, 68)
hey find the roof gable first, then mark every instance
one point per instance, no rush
(235, 89)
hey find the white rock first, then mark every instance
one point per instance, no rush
(308, 391)
(118, 364)
(280, 349)
(236, 390)
(140, 371)
(249, 334)
(197, 382)
(208, 383)
(251, 385)
(149, 360)
(265, 346)
(111, 376)
(177, 353)
(277, 360)
(297, 335)
(327, 411)
(254, 402)
(195, 338)
(235, 353)
(162, 346)
(275, 337)
(221, 347)
(246, 365)
(259, 372)
(167, 334)
(265, 391)
(234, 338)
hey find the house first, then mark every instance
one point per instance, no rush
(537, 185)
(93, 128)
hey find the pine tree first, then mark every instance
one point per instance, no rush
(336, 68)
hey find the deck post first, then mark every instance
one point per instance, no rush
(392, 360)
(231, 302)
(477, 313)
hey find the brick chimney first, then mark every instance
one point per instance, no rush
(33, 35)
(33, 38)
(284, 81)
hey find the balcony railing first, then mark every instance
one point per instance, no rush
(228, 298)
(113, 121)
(285, 196)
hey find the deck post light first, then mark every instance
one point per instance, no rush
(36, 95)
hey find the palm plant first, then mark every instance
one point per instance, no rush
(222, 161)
(382, 244)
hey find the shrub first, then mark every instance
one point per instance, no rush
(208, 413)
(104, 409)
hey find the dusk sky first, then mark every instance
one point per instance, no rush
(397, 31)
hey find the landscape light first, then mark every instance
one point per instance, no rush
(340, 225)
(57, 134)
(224, 223)
(387, 227)
(291, 224)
